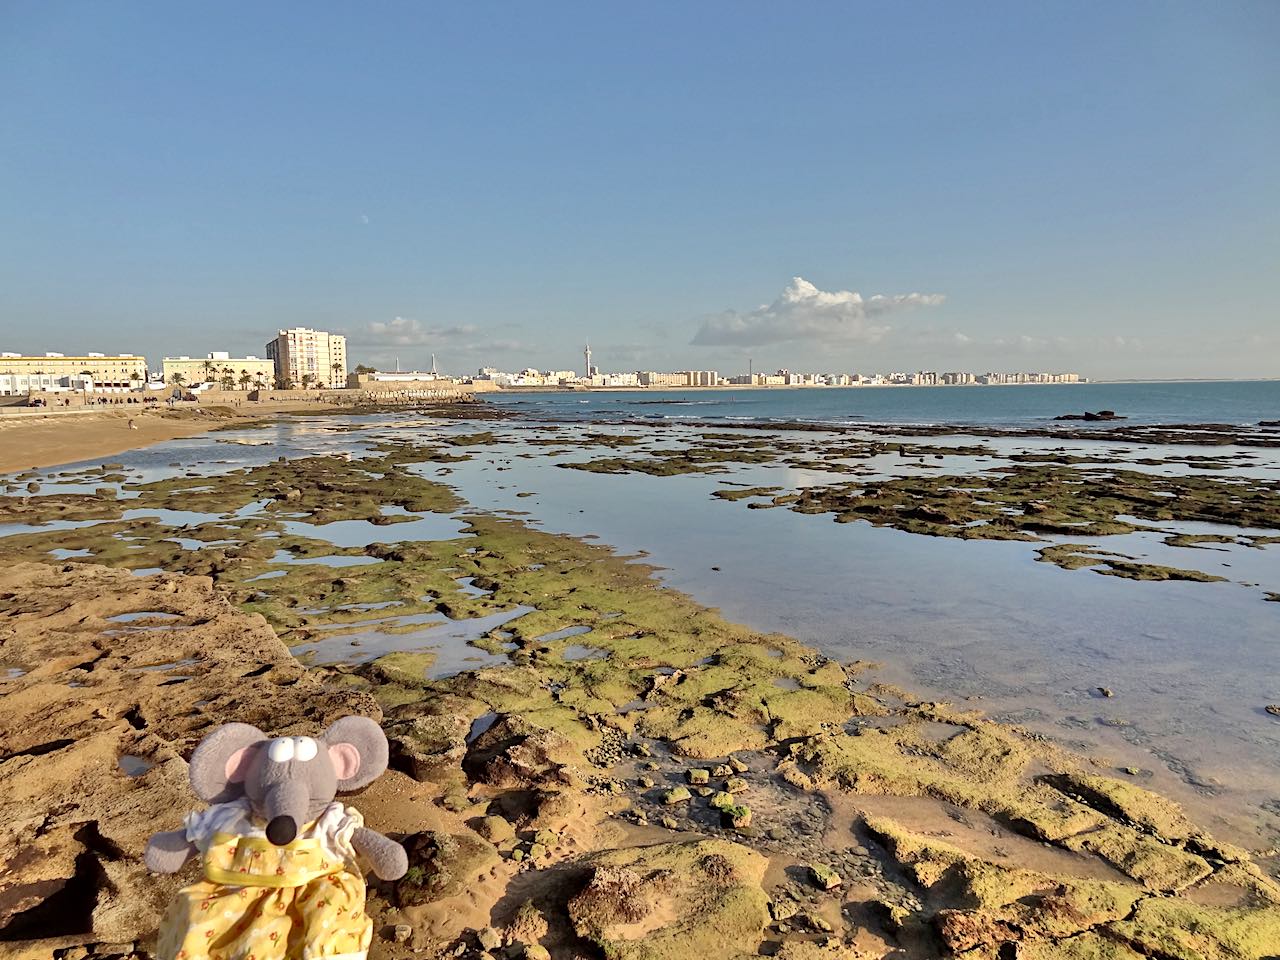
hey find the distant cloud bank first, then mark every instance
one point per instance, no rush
(805, 313)
(406, 332)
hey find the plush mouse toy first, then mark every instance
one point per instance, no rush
(279, 855)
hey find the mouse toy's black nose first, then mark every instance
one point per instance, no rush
(282, 830)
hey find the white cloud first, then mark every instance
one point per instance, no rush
(803, 312)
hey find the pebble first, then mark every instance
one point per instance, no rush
(489, 938)
(401, 933)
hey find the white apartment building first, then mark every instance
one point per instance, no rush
(309, 358)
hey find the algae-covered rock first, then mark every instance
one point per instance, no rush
(1160, 817)
(441, 865)
(676, 795)
(699, 776)
(527, 927)
(496, 830)
(824, 876)
(1180, 930)
(423, 746)
(737, 817)
(1156, 865)
(673, 901)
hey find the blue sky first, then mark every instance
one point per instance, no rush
(1079, 185)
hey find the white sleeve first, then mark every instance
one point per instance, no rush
(334, 829)
(201, 825)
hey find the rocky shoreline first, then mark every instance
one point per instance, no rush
(621, 772)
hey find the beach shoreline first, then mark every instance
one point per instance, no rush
(32, 440)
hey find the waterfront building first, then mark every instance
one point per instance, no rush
(21, 384)
(114, 373)
(650, 378)
(309, 358)
(392, 376)
(232, 373)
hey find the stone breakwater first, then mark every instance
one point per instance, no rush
(634, 776)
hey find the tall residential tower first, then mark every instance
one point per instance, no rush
(309, 358)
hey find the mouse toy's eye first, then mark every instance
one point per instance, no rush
(281, 750)
(305, 749)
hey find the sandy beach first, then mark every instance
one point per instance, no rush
(29, 441)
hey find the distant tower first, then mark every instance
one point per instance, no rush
(586, 355)
(433, 365)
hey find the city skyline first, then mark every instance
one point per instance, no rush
(1017, 187)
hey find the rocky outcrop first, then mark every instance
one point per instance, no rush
(516, 753)
(113, 680)
(700, 899)
(1101, 415)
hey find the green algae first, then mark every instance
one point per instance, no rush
(746, 493)
(1076, 556)
(319, 489)
(1180, 930)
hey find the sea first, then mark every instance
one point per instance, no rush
(1234, 402)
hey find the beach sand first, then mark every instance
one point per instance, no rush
(47, 441)
(27, 442)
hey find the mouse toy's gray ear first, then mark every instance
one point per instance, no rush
(221, 762)
(358, 748)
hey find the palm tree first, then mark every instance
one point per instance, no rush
(244, 379)
(209, 367)
(306, 380)
(177, 379)
(134, 377)
(227, 382)
(257, 382)
(337, 370)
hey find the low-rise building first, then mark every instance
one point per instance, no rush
(21, 384)
(231, 373)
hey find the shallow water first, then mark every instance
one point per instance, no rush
(447, 639)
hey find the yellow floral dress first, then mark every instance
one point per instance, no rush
(257, 901)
